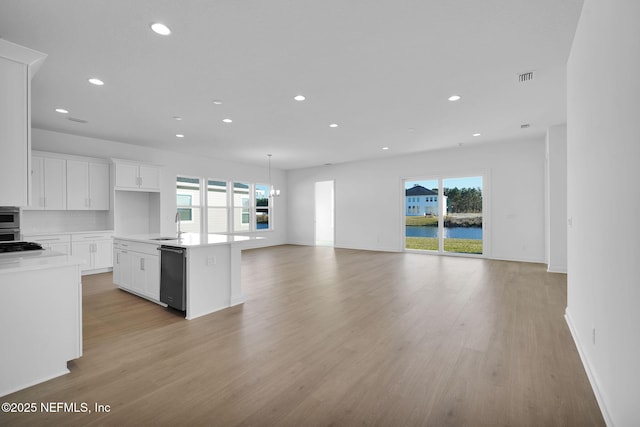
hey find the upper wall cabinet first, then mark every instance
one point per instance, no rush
(48, 183)
(136, 176)
(87, 185)
(18, 64)
(66, 182)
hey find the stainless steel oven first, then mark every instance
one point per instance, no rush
(9, 217)
(9, 234)
(9, 223)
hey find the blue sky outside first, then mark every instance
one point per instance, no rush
(465, 182)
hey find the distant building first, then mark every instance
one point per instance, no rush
(420, 201)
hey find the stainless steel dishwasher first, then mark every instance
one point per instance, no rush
(173, 276)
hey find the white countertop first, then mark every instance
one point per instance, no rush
(190, 240)
(34, 260)
(49, 233)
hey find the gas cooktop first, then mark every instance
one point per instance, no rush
(19, 246)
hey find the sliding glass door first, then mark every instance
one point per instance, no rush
(444, 215)
(421, 215)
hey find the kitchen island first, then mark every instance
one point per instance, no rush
(41, 317)
(213, 263)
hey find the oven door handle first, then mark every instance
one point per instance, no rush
(176, 251)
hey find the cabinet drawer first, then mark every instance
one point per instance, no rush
(145, 248)
(91, 236)
(48, 239)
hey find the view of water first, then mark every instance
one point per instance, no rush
(449, 232)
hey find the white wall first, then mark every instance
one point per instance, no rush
(369, 197)
(603, 150)
(556, 214)
(174, 164)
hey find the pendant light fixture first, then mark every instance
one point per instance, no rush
(273, 192)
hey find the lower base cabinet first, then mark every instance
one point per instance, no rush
(95, 249)
(136, 268)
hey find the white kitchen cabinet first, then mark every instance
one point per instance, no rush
(146, 274)
(17, 66)
(87, 185)
(137, 268)
(48, 183)
(96, 249)
(54, 242)
(122, 268)
(136, 176)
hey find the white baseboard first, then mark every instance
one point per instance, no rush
(237, 300)
(557, 269)
(592, 378)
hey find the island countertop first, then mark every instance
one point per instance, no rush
(35, 260)
(189, 240)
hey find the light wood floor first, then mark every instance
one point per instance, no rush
(334, 337)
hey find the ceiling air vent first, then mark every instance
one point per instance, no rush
(525, 77)
(73, 119)
(524, 126)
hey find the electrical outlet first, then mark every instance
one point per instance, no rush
(211, 260)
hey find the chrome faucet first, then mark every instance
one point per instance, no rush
(178, 222)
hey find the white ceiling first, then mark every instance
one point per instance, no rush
(381, 69)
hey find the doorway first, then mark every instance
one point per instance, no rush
(324, 213)
(445, 215)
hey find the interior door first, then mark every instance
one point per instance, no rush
(324, 213)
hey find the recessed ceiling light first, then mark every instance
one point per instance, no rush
(95, 81)
(177, 118)
(217, 101)
(62, 111)
(385, 148)
(299, 98)
(333, 125)
(161, 29)
(179, 135)
(476, 134)
(227, 120)
(455, 98)
(410, 130)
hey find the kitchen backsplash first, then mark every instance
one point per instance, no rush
(64, 221)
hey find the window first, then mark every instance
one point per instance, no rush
(189, 204)
(217, 207)
(263, 208)
(241, 207)
(222, 207)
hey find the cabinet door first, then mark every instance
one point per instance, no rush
(139, 272)
(37, 182)
(59, 247)
(55, 184)
(149, 177)
(99, 186)
(14, 136)
(84, 251)
(103, 254)
(77, 185)
(117, 270)
(126, 175)
(152, 282)
(123, 270)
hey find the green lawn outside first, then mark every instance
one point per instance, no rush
(464, 246)
(431, 221)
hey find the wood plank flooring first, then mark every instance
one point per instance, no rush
(333, 338)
